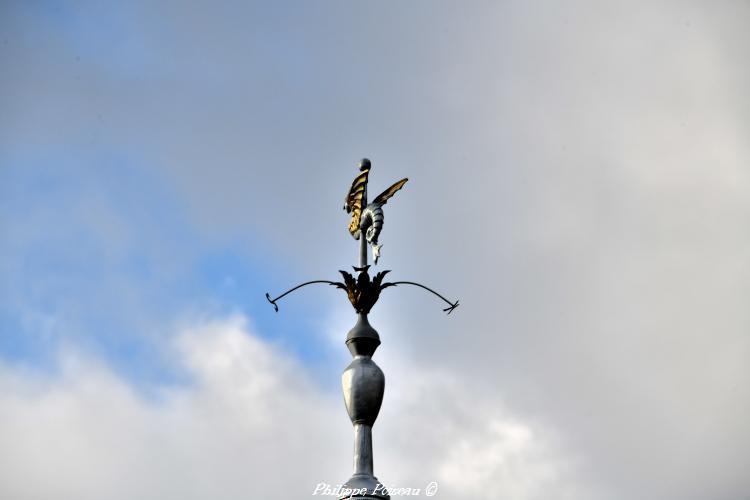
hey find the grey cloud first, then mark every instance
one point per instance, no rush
(250, 423)
(578, 178)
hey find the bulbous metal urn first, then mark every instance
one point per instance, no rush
(363, 383)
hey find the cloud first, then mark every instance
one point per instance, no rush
(578, 179)
(88, 434)
(249, 424)
(447, 430)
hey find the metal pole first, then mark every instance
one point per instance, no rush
(363, 450)
(362, 236)
(363, 384)
(362, 248)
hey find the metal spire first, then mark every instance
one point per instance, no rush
(363, 382)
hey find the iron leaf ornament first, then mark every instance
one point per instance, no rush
(362, 292)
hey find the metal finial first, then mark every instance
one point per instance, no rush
(363, 382)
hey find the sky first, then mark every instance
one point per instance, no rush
(579, 180)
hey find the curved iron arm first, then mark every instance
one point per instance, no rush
(451, 305)
(273, 301)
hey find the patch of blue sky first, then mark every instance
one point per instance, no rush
(98, 250)
(99, 255)
(105, 32)
(124, 41)
(238, 282)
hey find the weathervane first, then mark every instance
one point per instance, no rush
(363, 382)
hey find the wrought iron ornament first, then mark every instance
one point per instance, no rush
(362, 292)
(369, 220)
(363, 382)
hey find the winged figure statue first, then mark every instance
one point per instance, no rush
(367, 218)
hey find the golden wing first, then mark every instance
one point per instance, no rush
(353, 200)
(383, 197)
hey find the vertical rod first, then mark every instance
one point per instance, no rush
(362, 248)
(362, 228)
(363, 450)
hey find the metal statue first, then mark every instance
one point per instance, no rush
(369, 220)
(363, 382)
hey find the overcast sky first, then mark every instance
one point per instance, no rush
(579, 179)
